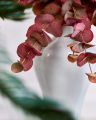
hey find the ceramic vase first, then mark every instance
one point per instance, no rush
(59, 79)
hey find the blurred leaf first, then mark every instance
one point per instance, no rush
(9, 9)
(4, 56)
(46, 109)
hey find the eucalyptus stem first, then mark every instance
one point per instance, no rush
(90, 67)
(89, 64)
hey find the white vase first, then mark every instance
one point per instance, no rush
(59, 79)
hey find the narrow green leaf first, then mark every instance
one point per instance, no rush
(4, 57)
(46, 109)
(9, 9)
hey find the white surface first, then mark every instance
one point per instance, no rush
(14, 33)
(60, 79)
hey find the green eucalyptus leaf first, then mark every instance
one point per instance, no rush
(46, 109)
(10, 9)
(4, 57)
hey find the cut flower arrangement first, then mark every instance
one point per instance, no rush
(12, 87)
(51, 17)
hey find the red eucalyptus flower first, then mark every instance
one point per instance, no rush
(44, 20)
(52, 8)
(26, 63)
(27, 52)
(49, 24)
(84, 36)
(79, 47)
(83, 58)
(35, 31)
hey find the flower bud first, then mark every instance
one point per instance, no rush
(91, 77)
(17, 67)
(52, 8)
(72, 58)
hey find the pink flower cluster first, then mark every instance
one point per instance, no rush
(51, 17)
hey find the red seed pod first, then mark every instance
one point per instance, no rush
(41, 38)
(37, 8)
(55, 28)
(92, 60)
(24, 50)
(36, 48)
(60, 18)
(83, 58)
(26, 63)
(91, 77)
(80, 47)
(33, 28)
(72, 58)
(87, 23)
(52, 8)
(17, 67)
(34, 44)
(35, 31)
(44, 20)
(87, 35)
(49, 24)
(83, 36)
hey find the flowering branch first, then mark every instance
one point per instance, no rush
(52, 16)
